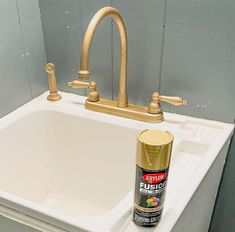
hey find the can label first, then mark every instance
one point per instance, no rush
(150, 186)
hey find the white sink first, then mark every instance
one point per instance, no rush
(64, 168)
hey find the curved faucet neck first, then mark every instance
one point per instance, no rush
(84, 62)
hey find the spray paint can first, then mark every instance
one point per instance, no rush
(152, 164)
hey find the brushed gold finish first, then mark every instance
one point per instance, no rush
(152, 113)
(54, 95)
(177, 101)
(154, 149)
(120, 107)
(132, 111)
(93, 95)
(154, 106)
(78, 84)
(122, 100)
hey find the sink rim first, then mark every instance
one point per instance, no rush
(68, 105)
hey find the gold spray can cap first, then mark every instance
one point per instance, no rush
(154, 149)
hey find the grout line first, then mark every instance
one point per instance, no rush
(43, 31)
(82, 32)
(24, 49)
(163, 45)
(81, 19)
(112, 65)
(112, 51)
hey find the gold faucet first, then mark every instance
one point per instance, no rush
(152, 113)
(84, 70)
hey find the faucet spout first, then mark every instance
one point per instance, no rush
(122, 99)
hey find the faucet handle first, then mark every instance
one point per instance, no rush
(155, 108)
(177, 101)
(78, 84)
(93, 94)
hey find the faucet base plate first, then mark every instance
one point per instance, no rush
(54, 97)
(131, 111)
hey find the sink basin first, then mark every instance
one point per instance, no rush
(67, 162)
(68, 168)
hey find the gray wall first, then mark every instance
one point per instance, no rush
(22, 60)
(22, 53)
(181, 47)
(64, 22)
